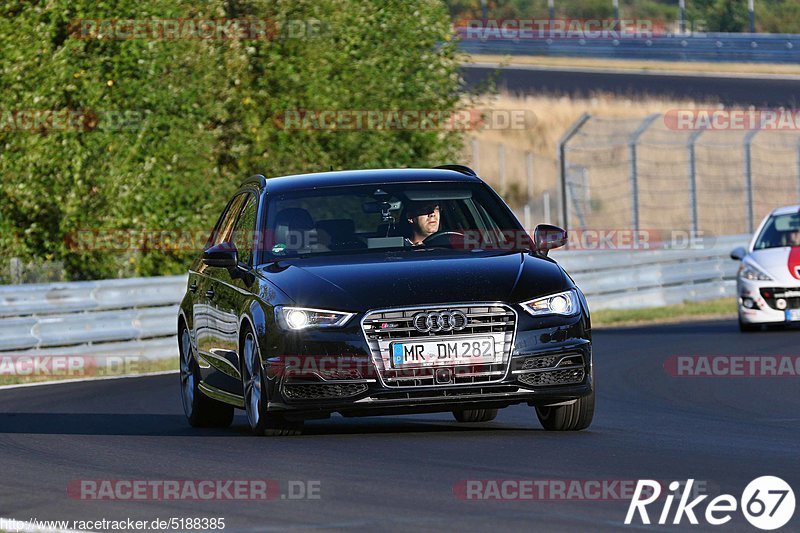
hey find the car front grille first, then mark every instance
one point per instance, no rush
(771, 295)
(322, 391)
(384, 327)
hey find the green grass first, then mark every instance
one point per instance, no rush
(141, 367)
(721, 308)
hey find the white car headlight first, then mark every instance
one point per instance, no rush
(296, 318)
(562, 303)
(751, 272)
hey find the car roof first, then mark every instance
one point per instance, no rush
(341, 178)
(786, 210)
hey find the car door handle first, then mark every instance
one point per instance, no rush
(210, 293)
(193, 287)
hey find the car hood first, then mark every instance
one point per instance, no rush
(391, 279)
(783, 264)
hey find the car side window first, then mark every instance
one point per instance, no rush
(244, 230)
(224, 229)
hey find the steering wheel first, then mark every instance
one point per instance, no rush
(442, 238)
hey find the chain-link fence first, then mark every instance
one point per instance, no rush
(645, 174)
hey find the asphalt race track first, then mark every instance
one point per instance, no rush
(399, 472)
(763, 91)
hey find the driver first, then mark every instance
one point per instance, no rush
(424, 220)
(794, 238)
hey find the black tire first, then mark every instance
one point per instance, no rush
(744, 327)
(475, 415)
(200, 410)
(573, 417)
(254, 387)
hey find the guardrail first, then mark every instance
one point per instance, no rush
(134, 317)
(137, 317)
(738, 47)
(613, 279)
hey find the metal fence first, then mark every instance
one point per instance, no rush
(138, 317)
(128, 317)
(643, 175)
(738, 47)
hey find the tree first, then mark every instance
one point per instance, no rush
(169, 128)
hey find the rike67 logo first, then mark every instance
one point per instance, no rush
(767, 503)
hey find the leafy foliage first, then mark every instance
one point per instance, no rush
(198, 116)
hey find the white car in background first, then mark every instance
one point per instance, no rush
(768, 284)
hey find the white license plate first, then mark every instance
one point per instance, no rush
(792, 315)
(455, 351)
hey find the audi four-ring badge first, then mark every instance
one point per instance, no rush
(380, 292)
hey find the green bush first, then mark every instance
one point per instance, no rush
(180, 123)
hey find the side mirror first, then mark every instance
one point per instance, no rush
(222, 255)
(547, 237)
(738, 253)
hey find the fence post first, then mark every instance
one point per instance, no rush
(562, 164)
(475, 161)
(693, 178)
(501, 163)
(546, 200)
(748, 177)
(529, 169)
(634, 178)
(798, 171)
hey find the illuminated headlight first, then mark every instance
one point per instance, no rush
(295, 318)
(748, 271)
(562, 303)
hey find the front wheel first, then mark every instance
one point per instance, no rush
(200, 410)
(568, 417)
(255, 401)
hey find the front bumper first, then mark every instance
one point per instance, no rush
(757, 302)
(549, 362)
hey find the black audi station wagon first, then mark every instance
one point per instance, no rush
(377, 292)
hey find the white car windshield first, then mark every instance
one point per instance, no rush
(780, 231)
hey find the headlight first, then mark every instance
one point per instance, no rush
(563, 303)
(751, 272)
(295, 318)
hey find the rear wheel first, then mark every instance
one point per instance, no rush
(255, 401)
(200, 410)
(572, 417)
(475, 415)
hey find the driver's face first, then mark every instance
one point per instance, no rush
(794, 238)
(426, 224)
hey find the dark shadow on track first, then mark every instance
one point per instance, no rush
(176, 426)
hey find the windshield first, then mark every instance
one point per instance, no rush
(779, 231)
(391, 216)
